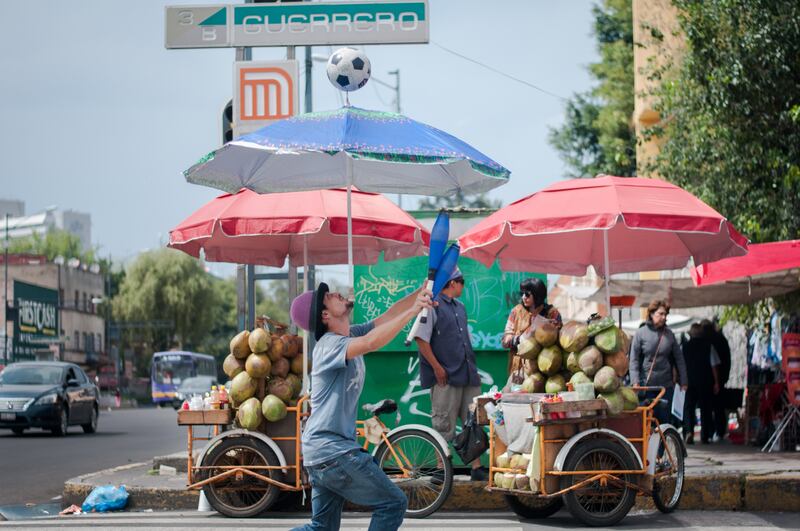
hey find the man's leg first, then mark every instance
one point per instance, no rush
(368, 485)
(706, 419)
(445, 401)
(720, 415)
(326, 504)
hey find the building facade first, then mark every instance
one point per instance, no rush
(80, 337)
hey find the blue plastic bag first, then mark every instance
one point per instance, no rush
(105, 498)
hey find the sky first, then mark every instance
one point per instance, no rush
(99, 117)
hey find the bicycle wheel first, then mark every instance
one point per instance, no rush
(599, 503)
(417, 464)
(668, 481)
(241, 495)
(532, 506)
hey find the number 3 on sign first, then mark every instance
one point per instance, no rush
(185, 18)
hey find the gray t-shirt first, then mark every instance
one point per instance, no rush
(336, 387)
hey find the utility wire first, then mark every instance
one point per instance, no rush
(500, 72)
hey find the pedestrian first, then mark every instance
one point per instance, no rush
(447, 364)
(338, 468)
(533, 301)
(723, 350)
(654, 354)
(702, 363)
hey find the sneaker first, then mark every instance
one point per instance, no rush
(479, 474)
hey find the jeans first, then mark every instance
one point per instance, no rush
(354, 477)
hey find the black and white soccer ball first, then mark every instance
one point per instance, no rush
(348, 69)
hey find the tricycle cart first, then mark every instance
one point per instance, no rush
(593, 463)
(242, 472)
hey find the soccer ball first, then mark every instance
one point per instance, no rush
(348, 69)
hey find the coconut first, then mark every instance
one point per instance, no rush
(539, 381)
(555, 384)
(606, 380)
(614, 401)
(296, 365)
(572, 362)
(280, 388)
(273, 408)
(619, 361)
(524, 460)
(529, 367)
(590, 360)
(545, 332)
(232, 365)
(528, 348)
(259, 340)
(550, 360)
(276, 349)
(243, 387)
(249, 415)
(579, 378)
(503, 460)
(606, 340)
(280, 368)
(292, 349)
(508, 480)
(295, 383)
(521, 482)
(498, 479)
(258, 365)
(240, 346)
(514, 462)
(629, 398)
(573, 336)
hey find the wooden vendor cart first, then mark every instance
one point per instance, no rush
(593, 463)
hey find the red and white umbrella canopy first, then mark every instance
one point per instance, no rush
(251, 228)
(764, 263)
(615, 224)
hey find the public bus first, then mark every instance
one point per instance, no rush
(171, 368)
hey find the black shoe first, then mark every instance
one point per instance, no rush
(689, 439)
(479, 474)
(437, 478)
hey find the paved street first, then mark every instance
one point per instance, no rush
(39, 463)
(710, 520)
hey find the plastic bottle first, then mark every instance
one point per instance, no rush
(207, 401)
(223, 397)
(214, 397)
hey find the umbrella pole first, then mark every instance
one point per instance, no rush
(306, 341)
(606, 272)
(349, 163)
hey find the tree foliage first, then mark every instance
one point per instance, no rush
(459, 200)
(52, 244)
(598, 134)
(731, 119)
(169, 287)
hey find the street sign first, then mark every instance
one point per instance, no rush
(297, 24)
(263, 91)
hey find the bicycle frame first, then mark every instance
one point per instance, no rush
(401, 459)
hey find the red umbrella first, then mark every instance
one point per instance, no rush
(764, 262)
(251, 228)
(615, 224)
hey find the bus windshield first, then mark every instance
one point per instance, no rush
(172, 370)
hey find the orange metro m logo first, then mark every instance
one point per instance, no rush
(265, 93)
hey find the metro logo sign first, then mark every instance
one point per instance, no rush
(264, 91)
(298, 24)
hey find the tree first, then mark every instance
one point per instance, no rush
(54, 243)
(458, 200)
(167, 287)
(731, 108)
(598, 134)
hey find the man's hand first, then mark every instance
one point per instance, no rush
(440, 373)
(423, 300)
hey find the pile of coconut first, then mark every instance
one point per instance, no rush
(267, 362)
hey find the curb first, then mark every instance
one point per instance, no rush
(720, 492)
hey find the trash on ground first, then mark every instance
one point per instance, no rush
(105, 498)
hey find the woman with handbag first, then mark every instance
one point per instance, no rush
(654, 353)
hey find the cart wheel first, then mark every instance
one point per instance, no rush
(534, 507)
(595, 504)
(241, 496)
(668, 483)
(429, 472)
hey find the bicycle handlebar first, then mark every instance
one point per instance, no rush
(661, 392)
